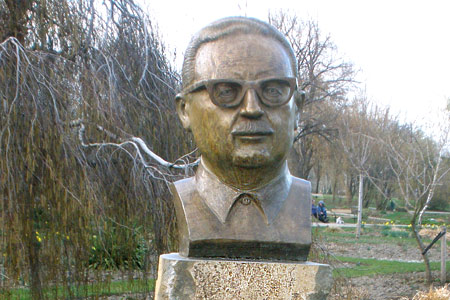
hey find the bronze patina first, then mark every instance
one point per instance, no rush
(239, 99)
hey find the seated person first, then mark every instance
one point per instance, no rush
(322, 212)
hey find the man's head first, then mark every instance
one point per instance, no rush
(239, 78)
(226, 27)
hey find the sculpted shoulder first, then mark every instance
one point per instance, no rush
(183, 186)
(302, 184)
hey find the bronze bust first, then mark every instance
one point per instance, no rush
(239, 99)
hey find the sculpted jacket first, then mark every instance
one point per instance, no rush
(217, 220)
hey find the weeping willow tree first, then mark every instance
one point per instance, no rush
(86, 113)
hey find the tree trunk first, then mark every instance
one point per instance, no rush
(317, 177)
(334, 186)
(349, 189)
(360, 202)
(16, 25)
(33, 246)
(421, 249)
(36, 286)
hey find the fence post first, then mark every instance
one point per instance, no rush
(443, 255)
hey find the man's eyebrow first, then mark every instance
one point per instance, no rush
(266, 72)
(240, 75)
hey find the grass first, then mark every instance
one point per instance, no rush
(369, 237)
(395, 234)
(347, 236)
(340, 201)
(85, 290)
(371, 267)
(428, 218)
(402, 218)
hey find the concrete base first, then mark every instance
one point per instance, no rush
(185, 278)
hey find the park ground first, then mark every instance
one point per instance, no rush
(384, 263)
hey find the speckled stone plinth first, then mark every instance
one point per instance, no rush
(185, 278)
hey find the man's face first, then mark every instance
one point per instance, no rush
(252, 134)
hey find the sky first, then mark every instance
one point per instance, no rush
(402, 48)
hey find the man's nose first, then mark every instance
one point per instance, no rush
(251, 105)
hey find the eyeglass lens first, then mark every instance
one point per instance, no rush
(275, 91)
(271, 92)
(226, 92)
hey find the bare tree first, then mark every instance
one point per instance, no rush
(356, 124)
(416, 161)
(326, 79)
(86, 115)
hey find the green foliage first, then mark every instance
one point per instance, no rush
(404, 218)
(370, 267)
(440, 202)
(329, 202)
(402, 209)
(396, 234)
(441, 196)
(118, 247)
(369, 236)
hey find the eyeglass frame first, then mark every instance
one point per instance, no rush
(246, 85)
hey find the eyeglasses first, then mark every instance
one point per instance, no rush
(230, 92)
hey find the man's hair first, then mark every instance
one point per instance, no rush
(225, 27)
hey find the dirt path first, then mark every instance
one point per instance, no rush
(399, 252)
(383, 287)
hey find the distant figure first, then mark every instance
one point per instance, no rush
(392, 205)
(314, 209)
(322, 212)
(339, 220)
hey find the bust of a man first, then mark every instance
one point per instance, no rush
(239, 100)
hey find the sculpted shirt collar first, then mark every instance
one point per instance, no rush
(220, 197)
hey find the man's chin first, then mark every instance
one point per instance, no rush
(251, 159)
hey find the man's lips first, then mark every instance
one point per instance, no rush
(255, 133)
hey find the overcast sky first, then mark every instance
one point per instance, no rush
(401, 47)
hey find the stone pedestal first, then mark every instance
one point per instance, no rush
(185, 278)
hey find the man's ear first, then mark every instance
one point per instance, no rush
(299, 98)
(180, 102)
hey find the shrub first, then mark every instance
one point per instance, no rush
(439, 204)
(118, 247)
(441, 195)
(401, 209)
